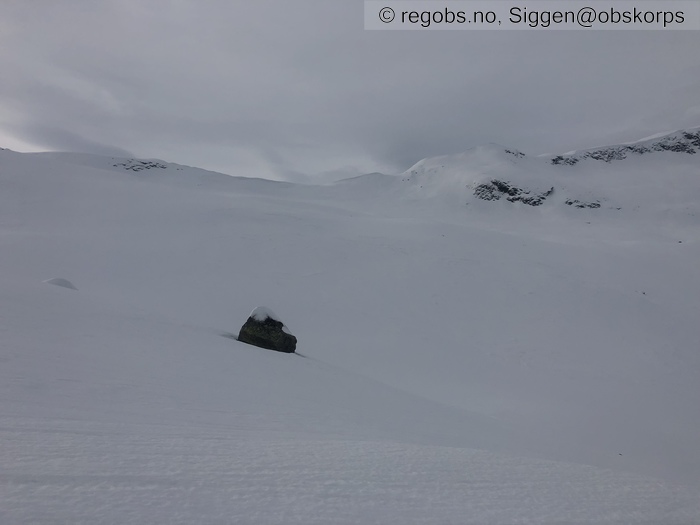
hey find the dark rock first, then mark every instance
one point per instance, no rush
(515, 153)
(265, 330)
(496, 189)
(140, 165)
(569, 161)
(581, 204)
(487, 192)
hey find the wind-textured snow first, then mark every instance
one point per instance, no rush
(467, 361)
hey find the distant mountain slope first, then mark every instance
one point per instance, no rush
(155, 170)
(486, 172)
(496, 173)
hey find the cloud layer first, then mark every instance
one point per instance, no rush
(299, 91)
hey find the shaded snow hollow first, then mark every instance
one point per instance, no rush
(63, 283)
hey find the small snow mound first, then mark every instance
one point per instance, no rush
(261, 313)
(60, 281)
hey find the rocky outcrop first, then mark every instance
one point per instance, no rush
(496, 189)
(140, 165)
(582, 204)
(265, 330)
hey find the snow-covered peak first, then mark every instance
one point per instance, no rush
(486, 172)
(480, 156)
(496, 173)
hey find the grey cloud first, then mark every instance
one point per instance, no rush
(298, 89)
(61, 139)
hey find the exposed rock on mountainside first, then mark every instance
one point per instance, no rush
(496, 189)
(140, 165)
(580, 204)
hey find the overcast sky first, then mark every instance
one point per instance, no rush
(298, 90)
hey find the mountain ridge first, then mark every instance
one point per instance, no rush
(492, 173)
(685, 140)
(496, 173)
(680, 141)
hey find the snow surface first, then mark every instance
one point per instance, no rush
(652, 137)
(466, 361)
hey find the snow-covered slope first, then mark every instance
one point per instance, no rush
(657, 182)
(153, 170)
(467, 361)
